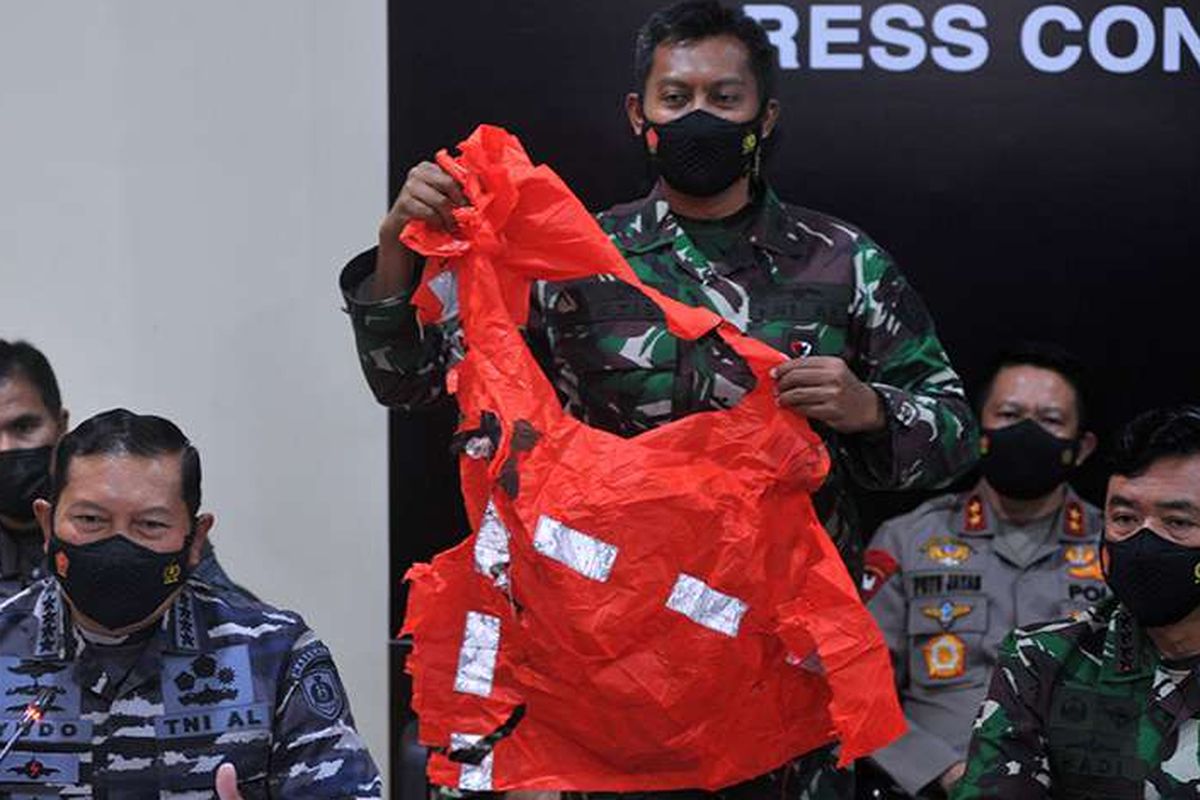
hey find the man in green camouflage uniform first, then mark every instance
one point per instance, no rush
(1108, 706)
(146, 679)
(866, 366)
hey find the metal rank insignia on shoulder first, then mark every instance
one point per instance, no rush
(974, 515)
(1073, 519)
(946, 613)
(945, 656)
(947, 551)
(1083, 562)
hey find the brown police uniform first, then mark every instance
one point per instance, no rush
(946, 583)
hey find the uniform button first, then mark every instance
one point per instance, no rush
(36, 574)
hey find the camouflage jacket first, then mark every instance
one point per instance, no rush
(945, 595)
(800, 281)
(222, 678)
(1086, 709)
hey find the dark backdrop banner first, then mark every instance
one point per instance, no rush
(1033, 168)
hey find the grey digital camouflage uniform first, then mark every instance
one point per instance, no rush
(221, 678)
(803, 282)
(1086, 710)
(945, 596)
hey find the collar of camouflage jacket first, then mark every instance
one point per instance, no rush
(180, 630)
(648, 224)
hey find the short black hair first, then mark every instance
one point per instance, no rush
(24, 360)
(692, 20)
(122, 432)
(1156, 434)
(1044, 355)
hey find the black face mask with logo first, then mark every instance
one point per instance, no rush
(24, 477)
(1156, 579)
(116, 582)
(1026, 461)
(701, 154)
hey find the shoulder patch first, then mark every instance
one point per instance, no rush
(313, 654)
(323, 691)
(878, 567)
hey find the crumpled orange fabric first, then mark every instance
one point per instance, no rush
(659, 612)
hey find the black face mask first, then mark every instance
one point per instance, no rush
(1026, 461)
(24, 477)
(701, 154)
(1156, 579)
(116, 582)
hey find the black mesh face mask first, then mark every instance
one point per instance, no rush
(701, 154)
(1156, 579)
(119, 583)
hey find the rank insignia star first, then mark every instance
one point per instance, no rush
(1073, 519)
(947, 551)
(946, 613)
(975, 519)
(945, 656)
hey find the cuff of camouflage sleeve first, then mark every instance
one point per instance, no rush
(916, 759)
(870, 457)
(385, 315)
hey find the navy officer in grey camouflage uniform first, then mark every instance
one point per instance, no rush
(134, 677)
(948, 581)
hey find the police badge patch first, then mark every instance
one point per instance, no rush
(322, 692)
(947, 551)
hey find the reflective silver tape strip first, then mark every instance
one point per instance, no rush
(474, 777)
(585, 554)
(477, 658)
(704, 605)
(445, 288)
(491, 547)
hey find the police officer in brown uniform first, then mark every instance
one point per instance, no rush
(949, 580)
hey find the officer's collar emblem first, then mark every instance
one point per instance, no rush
(1073, 519)
(975, 515)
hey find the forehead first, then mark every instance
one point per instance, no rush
(707, 60)
(125, 481)
(1168, 479)
(19, 397)
(1030, 385)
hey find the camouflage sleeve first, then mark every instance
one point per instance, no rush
(931, 435)
(919, 756)
(316, 751)
(1007, 757)
(404, 363)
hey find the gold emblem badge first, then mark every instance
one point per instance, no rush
(947, 551)
(947, 612)
(61, 564)
(945, 656)
(749, 143)
(1083, 562)
(171, 573)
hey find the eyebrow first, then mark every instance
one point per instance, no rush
(1178, 505)
(1118, 500)
(23, 419)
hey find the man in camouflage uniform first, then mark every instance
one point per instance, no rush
(32, 419)
(139, 680)
(948, 581)
(1108, 705)
(866, 366)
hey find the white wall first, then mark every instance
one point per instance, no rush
(179, 183)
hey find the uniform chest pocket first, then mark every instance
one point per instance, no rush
(605, 326)
(189, 756)
(945, 641)
(802, 320)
